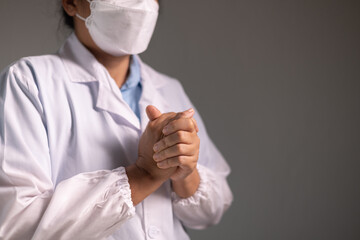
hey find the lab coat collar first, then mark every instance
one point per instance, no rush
(83, 67)
(79, 62)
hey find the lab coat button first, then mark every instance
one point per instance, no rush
(153, 231)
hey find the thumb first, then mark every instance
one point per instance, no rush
(152, 112)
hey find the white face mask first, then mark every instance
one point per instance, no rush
(122, 27)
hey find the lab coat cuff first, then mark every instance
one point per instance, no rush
(206, 180)
(121, 190)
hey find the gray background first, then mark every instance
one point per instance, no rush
(278, 85)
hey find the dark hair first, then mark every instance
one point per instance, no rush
(68, 20)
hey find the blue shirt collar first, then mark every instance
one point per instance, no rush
(134, 77)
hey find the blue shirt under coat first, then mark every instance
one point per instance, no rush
(132, 88)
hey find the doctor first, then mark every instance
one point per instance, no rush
(95, 144)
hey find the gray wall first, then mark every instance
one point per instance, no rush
(278, 85)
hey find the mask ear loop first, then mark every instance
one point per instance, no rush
(80, 17)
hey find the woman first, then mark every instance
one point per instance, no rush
(81, 159)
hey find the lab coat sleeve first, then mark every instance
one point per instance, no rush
(213, 196)
(87, 206)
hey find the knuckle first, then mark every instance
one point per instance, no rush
(179, 148)
(181, 160)
(190, 122)
(180, 135)
(151, 125)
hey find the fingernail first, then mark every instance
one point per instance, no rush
(156, 156)
(165, 130)
(156, 147)
(161, 164)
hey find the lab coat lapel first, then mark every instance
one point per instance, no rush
(151, 95)
(112, 102)
(83, 68)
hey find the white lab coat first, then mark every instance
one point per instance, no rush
(66, 135)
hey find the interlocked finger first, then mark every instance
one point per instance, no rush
(175, 162)
(189, 115)
(172, 139)
(173, 151)
(184, 124)
(195, 124)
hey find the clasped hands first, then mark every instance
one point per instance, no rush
(169, 146)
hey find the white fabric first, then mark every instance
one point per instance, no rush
(122, 27)
(66, 135)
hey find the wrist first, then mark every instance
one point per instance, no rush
(141, 183)
(184, 179)
(187, 186)
(150, 170)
